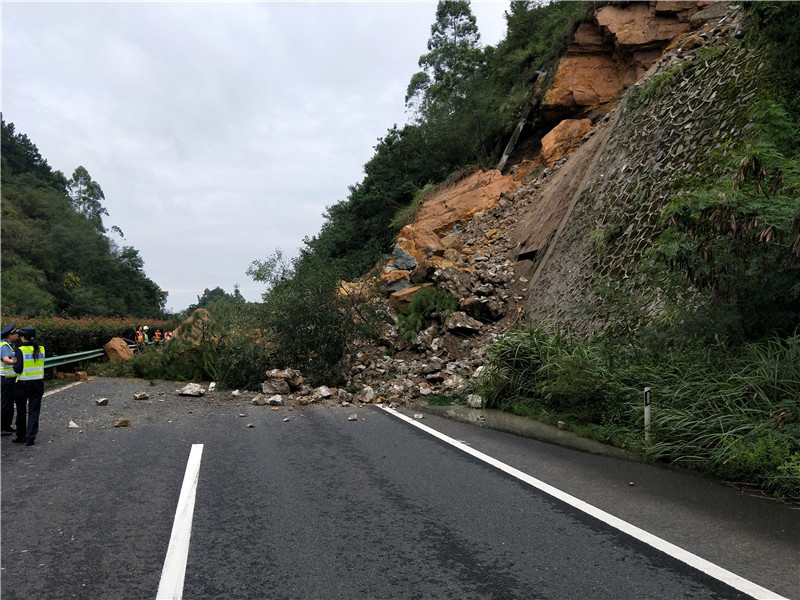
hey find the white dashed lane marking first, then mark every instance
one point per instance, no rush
(174, 571)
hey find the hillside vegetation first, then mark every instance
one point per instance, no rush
(58, 257)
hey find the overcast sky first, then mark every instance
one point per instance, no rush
(219, 132)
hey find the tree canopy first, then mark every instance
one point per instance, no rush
(56, 256)
(212, 298)
(454, 54)
(87, 198)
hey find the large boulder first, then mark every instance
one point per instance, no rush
(282, 381)
(117, 349)
(395, 280)
(418, 243)
(564, 139)
(197, 328)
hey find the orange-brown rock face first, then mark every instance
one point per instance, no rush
(641, 26)
(458, 202)
(419, 242)
(589, 78)
(611, 53)
(424, 245)
(563, 139)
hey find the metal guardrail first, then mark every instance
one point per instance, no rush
(64, 359)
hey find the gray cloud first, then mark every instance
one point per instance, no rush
(219, 132)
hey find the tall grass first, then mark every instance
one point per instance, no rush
(730, 412)
(734, 414)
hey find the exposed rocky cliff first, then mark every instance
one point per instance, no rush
(556, 232)
(615, 49)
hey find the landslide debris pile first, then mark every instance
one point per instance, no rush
(544, 237)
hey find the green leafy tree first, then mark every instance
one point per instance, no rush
(454, 54)
(309, 324)
(20, 157)
(56, 257)
(87, 198)
(216, 301)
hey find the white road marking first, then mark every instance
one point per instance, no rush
(174, 571)
(694, 561)
(61, 388)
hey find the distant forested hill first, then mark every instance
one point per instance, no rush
(56, 256)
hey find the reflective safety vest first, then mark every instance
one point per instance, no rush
(32, 368)
(8, 370)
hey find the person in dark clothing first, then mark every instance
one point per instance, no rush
(29, 388)
(9, 376)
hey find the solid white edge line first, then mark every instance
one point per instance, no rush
(61, 388)
(694, 561)
(174, 571)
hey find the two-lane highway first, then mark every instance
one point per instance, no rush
(303, 504)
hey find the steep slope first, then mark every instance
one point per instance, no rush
(562, 232)
(644, 150)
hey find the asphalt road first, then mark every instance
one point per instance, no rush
(308, 504)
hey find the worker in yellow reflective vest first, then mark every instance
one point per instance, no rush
(29, 388)
(8, 351)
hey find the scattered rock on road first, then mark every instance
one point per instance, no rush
(192, 389)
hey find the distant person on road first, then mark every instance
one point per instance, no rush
(8, 352)
(141, 337)
(29, 388)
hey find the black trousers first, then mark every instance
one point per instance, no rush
(7, 408)
(28, 400)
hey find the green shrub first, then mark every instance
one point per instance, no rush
(310, 325)
(542, 369)
(177, 360)
(575, 382)
(427, 304)
(405, 215)
(243, 362)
